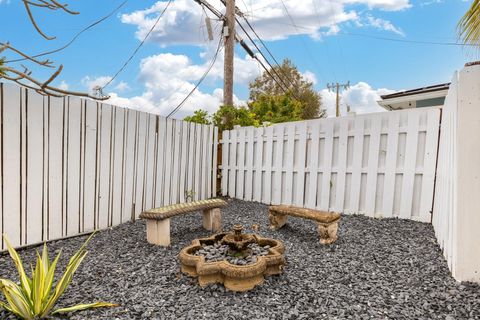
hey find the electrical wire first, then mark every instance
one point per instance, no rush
(199, 80)
(139, 46)
(301, 39)
(265, 58)
(266, 48)
(409, 41)
(75, 37)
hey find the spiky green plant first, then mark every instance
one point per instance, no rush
(469, 25)
(36, 296)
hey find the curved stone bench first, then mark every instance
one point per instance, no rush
(158, 219)
(327, 222)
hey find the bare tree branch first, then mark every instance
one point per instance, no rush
(51, 5)
(46, 63)
(34, 23)
(25, 78)
(46, 89)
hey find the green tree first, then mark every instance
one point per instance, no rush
(199, 116)
(297, 86)
(469, 25)
(228, 116)
(276, 109)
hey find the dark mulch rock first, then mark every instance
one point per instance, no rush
(378, 269)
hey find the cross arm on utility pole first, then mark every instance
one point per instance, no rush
(337, 87)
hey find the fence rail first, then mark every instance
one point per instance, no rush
(378, 164)
(71, 165)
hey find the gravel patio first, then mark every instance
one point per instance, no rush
(378, 269)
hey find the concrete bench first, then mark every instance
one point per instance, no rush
(158, 219)
(327, 222)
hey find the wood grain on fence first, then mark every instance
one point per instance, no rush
(379, 164)
(70, 166)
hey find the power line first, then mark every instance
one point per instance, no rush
(301, 39)
(199, 80)
(139, 46)
(238, 38)
(75, 37)
(409, 41)
(268, 50)
(265, 58)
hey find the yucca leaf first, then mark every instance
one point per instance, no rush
(45, 258)
(49, 279)
(38, 281)
(17, 302)
(25, 282)
(65, 280)
(5, 306)
(79, 307)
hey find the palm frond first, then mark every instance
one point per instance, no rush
(469, 25)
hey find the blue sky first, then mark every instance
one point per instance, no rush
(333, 41)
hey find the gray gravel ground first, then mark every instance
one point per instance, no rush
(378, 269)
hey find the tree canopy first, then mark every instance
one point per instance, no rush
(199, 116)
(269, 102)
(291, 80)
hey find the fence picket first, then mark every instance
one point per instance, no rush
(300, 166)
(409, 166)
(225, 161)
(313, 166)
(267, 192)
(327, 167)
(289, 163)
(278, 165)
(342, 164)
(35, 165)
(372, 175)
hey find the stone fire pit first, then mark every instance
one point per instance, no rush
(239, 261)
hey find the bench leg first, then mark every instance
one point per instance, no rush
(158, 232)
(216, 217)
(327, 232)
(212, 220)
(207, 219)
(277, 220)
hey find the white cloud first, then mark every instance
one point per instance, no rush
(427, 3)
(168, 79)
(183, 21)
(387, 5)
(361, 98)
(92, 82)
(63, 85)
(122, 86)
(384, 25)
(310, 76)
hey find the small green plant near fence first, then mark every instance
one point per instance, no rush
(189, 195)
(35, 297)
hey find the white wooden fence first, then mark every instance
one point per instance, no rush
(379, 164)
(456, 213)
(446, 183)
(70, 165)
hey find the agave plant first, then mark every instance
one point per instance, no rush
(35, 297)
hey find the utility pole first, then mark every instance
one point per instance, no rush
(229, 33)
(337, 87)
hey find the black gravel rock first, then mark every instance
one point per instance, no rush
(377, 269)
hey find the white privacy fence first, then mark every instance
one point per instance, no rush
(379, 164)
(70, 165)
(456, 214)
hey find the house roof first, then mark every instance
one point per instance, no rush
(437, 87)
(425, 96)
